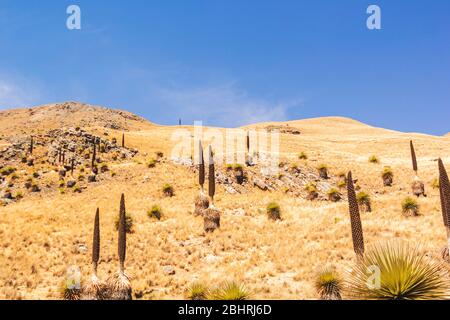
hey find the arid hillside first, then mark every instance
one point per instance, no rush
(49, 203)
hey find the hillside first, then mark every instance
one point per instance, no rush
(68, 114)
(44, 232)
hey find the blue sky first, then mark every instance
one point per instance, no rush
(233, 62)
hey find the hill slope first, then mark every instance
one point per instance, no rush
(45, 232)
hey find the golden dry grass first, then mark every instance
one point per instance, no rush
(275, 260)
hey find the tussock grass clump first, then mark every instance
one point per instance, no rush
(273, 211)
(341, 184)
(364, 201)
(151, 163)
(323, 171)
(329, 284)
(334, 195)
(406, 273)
(128, 223)
(302, 156)
(435, 183)
(388, 176)
(70, 290)
(197, 291)
(211, 219)
(168, 190)
(201, 204)
(311, 189)
(373, 159)
(155, 212)
(6, 171)
(418, 187)
(410, 207)
(229, 290)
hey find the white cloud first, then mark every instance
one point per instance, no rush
(13, 95)
(224, 105)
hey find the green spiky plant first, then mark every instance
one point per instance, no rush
(323, 171)
(387, 175)
(155, 212)
(198, 291)
(364, 201)
(119, 285)
(168, 190)
(373, 159)
(333, 195)
(405, 273)
(230, 290)
(410, 207)
(329, 284)
(302, 156)
(69, 290)
(273, 211)
(444, 192)
(355, 218)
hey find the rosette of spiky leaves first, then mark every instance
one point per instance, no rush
(197, 291)
(444, 190)
(122, 245)
(398, 271)
(211, 175)
(355, 219)
(329, 284)
(229, 290)
(413, 156)
(201, 165)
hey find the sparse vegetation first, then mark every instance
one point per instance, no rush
(302, 156)
(387, 175)
(334, 195)
(364, 201)
(273, 211)
(168, 190)
(373, 159)
(155, 212)
(151, 163)
(410, 207)
(323, 171)
(128, 223)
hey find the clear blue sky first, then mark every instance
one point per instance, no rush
(232, 62)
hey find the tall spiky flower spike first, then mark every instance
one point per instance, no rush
(123, 140)
(122, 246)
(413, 156)
(211, 175)
(96, 289)
(96, 242)
(94, 155)
(201, 165)
(248, 142)
(444, 190)
(355, 219)
(119, 285)
(31, 145)
(72, 165)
